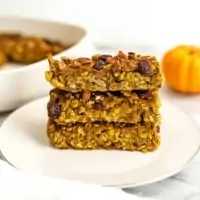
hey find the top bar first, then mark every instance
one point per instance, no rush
(105, 73)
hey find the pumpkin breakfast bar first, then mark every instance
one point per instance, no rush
(105, 73)
(104, 102)
(128, 107)
(27, 49)
(102, 135)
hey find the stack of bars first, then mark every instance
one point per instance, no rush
(104, 102)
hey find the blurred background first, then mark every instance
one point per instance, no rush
(143, 26)
(121, 23)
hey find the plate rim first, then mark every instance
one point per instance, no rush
(124, 185)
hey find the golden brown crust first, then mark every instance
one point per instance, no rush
(105, 73)
(104, 102)
(27, 49)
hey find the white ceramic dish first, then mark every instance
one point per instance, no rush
(23, 143)
(19, 85)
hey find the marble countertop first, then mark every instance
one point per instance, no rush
(186, 184)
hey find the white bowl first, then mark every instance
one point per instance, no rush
(20, 84)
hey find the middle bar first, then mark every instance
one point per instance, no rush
(127, 107)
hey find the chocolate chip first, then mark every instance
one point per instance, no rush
(144, 67)
(99, 65)
(54, 110)
(104, 57)
(98, 106)
(144, 94)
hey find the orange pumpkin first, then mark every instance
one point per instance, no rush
(181, 68)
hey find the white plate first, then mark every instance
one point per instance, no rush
(23, 142)
(18, 185)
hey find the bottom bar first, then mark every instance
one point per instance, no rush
(104, 136)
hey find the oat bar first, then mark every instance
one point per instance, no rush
(7, 40)
(130, 107)
(105, 73)
(27, 49)
(31, 49)
(117, 136)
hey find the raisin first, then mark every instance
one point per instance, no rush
(54, 110)
(135, 144)
(104, 57)
(98, 106)
(144, 94)
(144, 67)
(99, 65)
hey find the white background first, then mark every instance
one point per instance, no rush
(120, 22)
(123, 23)
(126, 25)
(135, 25)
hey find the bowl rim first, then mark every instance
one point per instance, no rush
(38, 64)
